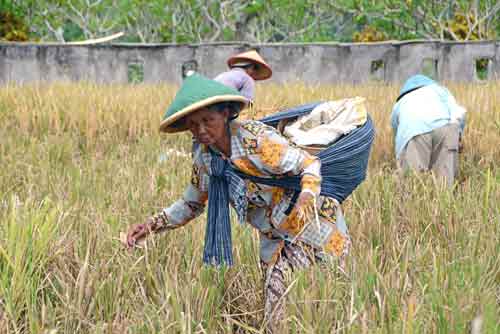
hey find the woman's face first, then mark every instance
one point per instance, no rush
(252, 70)
(208, 126)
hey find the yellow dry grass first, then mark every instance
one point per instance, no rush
(80, 162)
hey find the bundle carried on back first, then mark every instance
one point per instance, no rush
(343, 168)
(326, 123)
(343, 162)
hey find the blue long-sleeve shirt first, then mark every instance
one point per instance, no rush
(423, 110)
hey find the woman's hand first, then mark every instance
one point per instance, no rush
(305, 205)
(138, 232)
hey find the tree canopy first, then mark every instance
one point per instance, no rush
(258, 21)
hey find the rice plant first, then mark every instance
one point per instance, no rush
(80, 162)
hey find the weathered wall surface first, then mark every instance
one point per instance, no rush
(312, 63)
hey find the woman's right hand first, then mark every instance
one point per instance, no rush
(138, 232)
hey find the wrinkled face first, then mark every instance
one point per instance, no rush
(208, 126)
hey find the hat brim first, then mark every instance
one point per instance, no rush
(171, 124)
(264, 71)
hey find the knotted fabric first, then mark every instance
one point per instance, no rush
(224, 186)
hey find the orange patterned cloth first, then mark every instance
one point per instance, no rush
(259, 150)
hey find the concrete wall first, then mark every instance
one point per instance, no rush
(312, 63)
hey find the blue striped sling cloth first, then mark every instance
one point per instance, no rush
(343, 168)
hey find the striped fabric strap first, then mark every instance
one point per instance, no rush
(218, 244)
(343, 165)
(224, 186)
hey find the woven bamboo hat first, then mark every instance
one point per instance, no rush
(263, 70)
(195, 93)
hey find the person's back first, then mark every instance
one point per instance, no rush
(245, 69)
(427, 122)
(238, 79)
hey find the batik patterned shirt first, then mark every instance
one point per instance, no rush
(259, 150)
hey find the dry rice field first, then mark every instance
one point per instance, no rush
(80, 162)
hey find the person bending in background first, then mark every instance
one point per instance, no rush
(245, 69)
(428, 125)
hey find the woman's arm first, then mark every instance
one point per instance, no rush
(395, 118)
(277, 157)
(248, 88)
(184, 210)
(190, 206)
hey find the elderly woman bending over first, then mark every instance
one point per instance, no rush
(296, 229)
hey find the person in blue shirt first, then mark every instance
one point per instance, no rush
(428, 124)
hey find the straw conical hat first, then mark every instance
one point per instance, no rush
(195, 93)
(263, 72)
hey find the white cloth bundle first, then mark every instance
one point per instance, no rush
(327, 122)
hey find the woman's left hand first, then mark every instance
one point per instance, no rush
(138, 232)
(305, 205)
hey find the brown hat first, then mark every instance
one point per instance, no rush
(263, 70)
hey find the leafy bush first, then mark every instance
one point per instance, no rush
(369, 34)
(12, 27)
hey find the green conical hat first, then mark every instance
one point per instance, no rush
(196, 92)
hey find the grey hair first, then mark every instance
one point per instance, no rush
(233, 107)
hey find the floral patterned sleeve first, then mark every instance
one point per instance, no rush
(190, 206)
(278, 157)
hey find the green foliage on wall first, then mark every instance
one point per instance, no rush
(12, 27)
(369, 34)
(257, 21)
